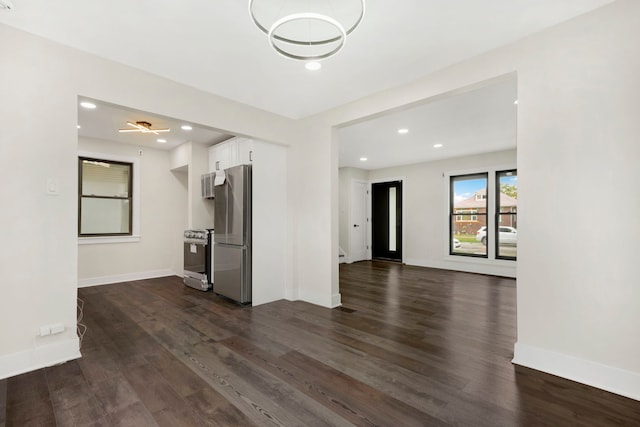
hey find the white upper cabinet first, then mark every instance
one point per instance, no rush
(223, 155)
(232, 152)
(246, 151)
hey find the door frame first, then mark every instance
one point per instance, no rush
(402, 179)
(367, 209)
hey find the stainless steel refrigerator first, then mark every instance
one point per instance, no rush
(232, 238)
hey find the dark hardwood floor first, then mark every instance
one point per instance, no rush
(409, 346)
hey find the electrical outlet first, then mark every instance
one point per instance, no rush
(57, 328)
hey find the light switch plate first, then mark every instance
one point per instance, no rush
(52, 186)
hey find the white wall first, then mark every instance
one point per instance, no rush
(190, 161)
(40, 84)
(578, 298)
(578, 314)
(426, 226)
(201, 211)
(162, 220)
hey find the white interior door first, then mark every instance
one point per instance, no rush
(359, 225)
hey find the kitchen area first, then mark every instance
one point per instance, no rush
(214, 214)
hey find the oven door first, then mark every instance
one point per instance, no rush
(195, 264)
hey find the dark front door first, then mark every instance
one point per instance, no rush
(386, 220)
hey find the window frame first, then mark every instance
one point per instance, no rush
(135, 183)
(452, 214)
(499, 215)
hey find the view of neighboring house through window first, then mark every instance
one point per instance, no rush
(104, 197)
(468, 215)
(506, 214)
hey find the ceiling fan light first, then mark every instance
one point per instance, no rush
(143, 127)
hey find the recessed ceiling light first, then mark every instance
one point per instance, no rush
(363, 159)
(78, 126)
(312, 66)
(403, 131)
(88, 105)
(437, 145)
(186, 127)
(161, 141)
(515, 102)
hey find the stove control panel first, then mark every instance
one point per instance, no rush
(196, 234)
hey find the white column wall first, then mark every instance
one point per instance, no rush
(315, 211)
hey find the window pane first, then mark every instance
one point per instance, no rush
(392, 218)
(469, 215)
(507, 211)
(104, 216)
(107, 179)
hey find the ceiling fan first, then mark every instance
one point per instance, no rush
(143, 127)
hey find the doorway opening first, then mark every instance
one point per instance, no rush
(386, 220)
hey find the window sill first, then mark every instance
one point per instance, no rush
(480, 260)
(107, 239)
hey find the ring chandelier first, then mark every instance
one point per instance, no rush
(305, 30)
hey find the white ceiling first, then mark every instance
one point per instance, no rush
(478, 121)
(104, 121)
(214, 45)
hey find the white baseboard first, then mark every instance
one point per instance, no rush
(614, 380)
(344, 260)
(39, 357)
(493, 267)
(336, 300)
(316, 298)
(106, 280)
(290, 294)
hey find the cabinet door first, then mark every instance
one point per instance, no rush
(231, 157)
(246, 151)
(218, 157)
(213, 158)
(221, 156)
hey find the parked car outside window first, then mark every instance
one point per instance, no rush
(508, 235)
